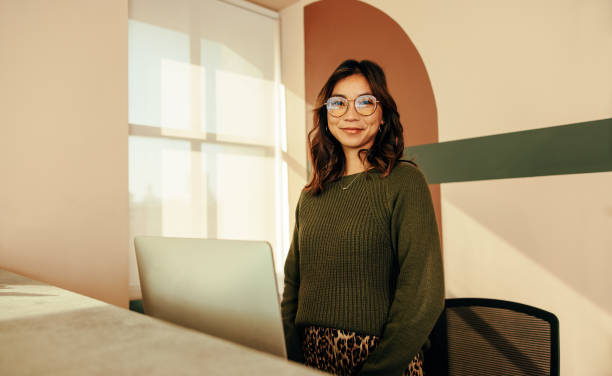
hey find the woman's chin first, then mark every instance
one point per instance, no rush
(355, 145)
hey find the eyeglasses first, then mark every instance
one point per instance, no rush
(365, 105)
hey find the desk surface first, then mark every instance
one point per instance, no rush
(48, 330)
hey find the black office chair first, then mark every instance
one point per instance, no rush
(493, 337)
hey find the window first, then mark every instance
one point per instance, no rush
(206, 129)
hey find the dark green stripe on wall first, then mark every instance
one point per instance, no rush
(565, 149)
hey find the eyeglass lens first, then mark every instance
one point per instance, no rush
(364, 105)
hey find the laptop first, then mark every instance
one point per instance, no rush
(225, 288)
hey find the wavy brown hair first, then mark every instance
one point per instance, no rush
(326, 153)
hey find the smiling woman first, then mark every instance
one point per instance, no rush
(363, 277)
(349, 139)
(355, 127)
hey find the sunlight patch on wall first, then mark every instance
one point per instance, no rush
(479, 263)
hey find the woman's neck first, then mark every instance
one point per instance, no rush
(354, 164)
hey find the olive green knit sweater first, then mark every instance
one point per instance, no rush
(366, 259)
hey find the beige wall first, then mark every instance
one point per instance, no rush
(292, 76)
(507, 67)
(543, 241)
(63, 144)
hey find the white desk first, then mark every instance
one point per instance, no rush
(46, 330)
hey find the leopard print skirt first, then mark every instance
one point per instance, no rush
(340, 352)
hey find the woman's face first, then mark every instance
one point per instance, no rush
(352, 130)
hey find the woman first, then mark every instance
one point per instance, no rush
(363, 277)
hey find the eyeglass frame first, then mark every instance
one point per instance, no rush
(376, 102)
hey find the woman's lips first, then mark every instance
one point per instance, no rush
(352, 130)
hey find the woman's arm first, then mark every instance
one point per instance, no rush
(289, 303)
(419, 294)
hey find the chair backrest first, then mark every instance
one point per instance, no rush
(493, 337)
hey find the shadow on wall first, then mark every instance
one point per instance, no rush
(568, 238)
(538, 242)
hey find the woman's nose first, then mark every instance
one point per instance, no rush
(351, 113)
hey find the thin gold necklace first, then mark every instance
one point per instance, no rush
(352, 181)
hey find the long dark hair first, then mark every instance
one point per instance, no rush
(326, 153)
